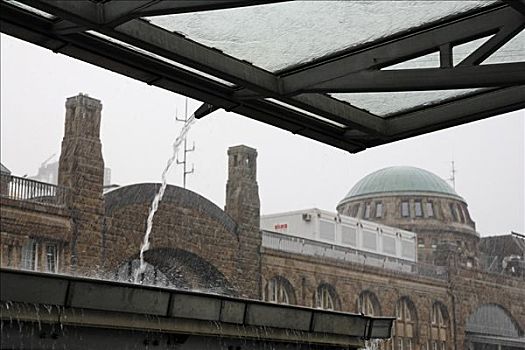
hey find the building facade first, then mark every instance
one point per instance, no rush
(448, 299)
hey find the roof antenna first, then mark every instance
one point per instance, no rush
(185, 150)
(452, 177)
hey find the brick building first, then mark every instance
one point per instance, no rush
(450, 299)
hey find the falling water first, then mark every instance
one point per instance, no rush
(158, 197)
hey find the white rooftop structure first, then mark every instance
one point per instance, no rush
(327, 227)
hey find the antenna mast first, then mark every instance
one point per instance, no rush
(186, 150)
(453, 172)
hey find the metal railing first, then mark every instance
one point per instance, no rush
(298, 245)
(22, 189)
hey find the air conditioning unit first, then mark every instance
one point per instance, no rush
(307, 217)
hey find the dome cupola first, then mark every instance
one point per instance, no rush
(416, 200)
(400, 180)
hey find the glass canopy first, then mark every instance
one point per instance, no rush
(387, 103)
(278, 36)
(351, 74)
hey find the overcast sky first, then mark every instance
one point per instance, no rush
(138, 127)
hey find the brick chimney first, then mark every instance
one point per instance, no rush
(242, 191)
(81, 170)
(243, 205)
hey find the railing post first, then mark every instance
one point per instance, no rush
(19, 188)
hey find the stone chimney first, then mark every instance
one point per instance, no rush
(243, 205)
(81, 171)
(242, 191)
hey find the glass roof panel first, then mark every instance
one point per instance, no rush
(427, 61)
(278, 36)
(386, 103)
(512, 51)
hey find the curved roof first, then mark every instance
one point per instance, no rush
(4, 170)
(400, 179)
(145, 192)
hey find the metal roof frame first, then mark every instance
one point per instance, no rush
(112, 35)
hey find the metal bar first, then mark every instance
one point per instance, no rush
(204, 110)
(459, 112)
(386, 52)
(84, 12)
(518, 5)
(292, 121)
(493, 75)
(64, 27)
(116, 12)
(343, 113)
(176, 47)
(445, 56)
(509, 31)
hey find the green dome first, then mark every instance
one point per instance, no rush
(400, 179)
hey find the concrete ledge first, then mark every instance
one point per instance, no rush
(99, 296)
(84, 302)
(233, 312)
(30, 288)
(273, 315)
(339, 324)
(195, 307)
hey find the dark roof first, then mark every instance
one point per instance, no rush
(504, 245)
(400, 180)
(4, 170)
(145, 192)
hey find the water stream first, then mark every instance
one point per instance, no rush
(158, 197)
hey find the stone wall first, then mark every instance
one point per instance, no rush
(472, 289)
(184, 222)
(461, 294)
(21, 221)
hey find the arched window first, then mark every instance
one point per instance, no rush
(368, 304)
(405, 325)
(279, 290)
(326, 297)
(494, 320)
(438, 338)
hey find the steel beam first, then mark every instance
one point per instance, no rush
(493, 75)
(81, 12)
(506, 33)
(173, 46)
(387, 52)
(518, 5)
(116, 12)
(467, 109)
